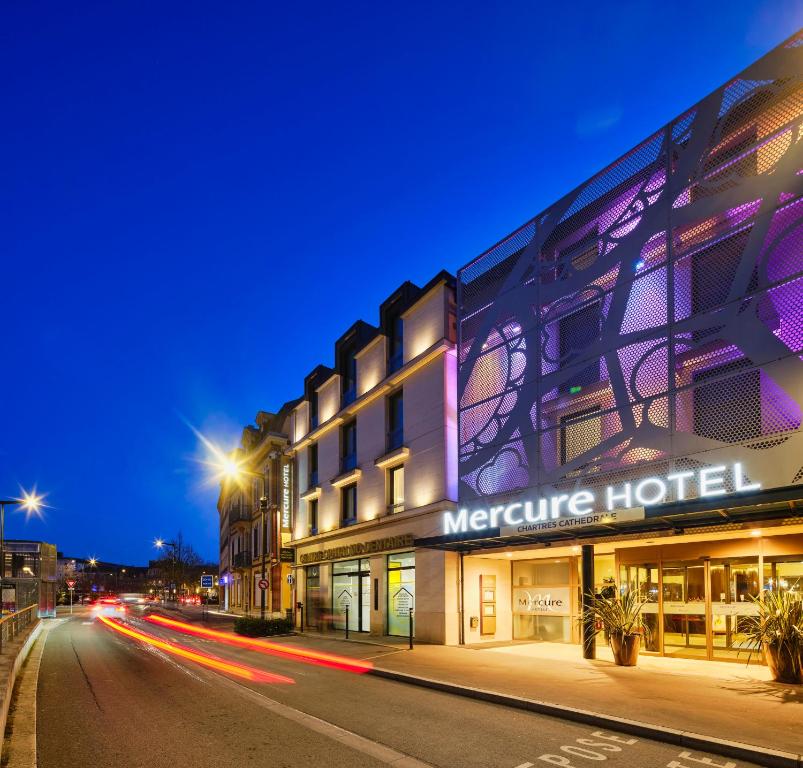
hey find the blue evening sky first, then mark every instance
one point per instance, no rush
(199, 198)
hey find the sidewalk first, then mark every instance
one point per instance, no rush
(718, 700)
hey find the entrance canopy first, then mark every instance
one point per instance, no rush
(675, 517)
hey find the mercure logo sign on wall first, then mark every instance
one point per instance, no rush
(709, 481)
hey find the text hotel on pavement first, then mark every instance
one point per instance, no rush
(615, 389)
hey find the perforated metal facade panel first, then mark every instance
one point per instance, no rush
(652, 320)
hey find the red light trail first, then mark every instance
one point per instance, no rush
(263, 646)
(213, 662)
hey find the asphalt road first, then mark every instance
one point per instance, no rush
(106, 699)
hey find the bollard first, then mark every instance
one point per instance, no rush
(347, 622)
(411, 629)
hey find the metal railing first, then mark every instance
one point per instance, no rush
(14, 623)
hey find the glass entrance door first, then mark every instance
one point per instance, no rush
(684, 609)
(733, 584)
(643, 580)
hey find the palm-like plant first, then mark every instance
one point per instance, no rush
(777, 629)
(620, 619)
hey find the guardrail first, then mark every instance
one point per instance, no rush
(14, 623)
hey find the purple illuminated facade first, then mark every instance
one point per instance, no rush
(651, 321)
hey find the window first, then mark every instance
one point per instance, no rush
(579, 432)
(395, 420)
(582, 254)
(396, 345)
(255, 542)
(729, 409)
(348, 446)
(349, 379)
(401, 592)
(577, 332)
(733, 155)
(348, 504)
(312, 461)
(312, 506)
(313, 410)
(396, 489)
(713, 270)
(351, 595)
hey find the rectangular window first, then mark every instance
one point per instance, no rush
(312, 461)
(312, 506)
(255, 535)
(348, 446)
(395, 420)
(582, 254)
(728, 410)
(396, 345)
(396, 489)
(713, 270)
(577, 332)
(348, 504)
(401, 593)
(579, 432)
(349, 379)
(313, 410)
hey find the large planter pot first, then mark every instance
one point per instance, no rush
(625, 648)
(785, 665)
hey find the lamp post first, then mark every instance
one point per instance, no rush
(161, 544)
(31, 503)
(93, 564)
(263, 508)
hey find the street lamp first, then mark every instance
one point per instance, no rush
(234, 469)
(32, 503)
(92, 562)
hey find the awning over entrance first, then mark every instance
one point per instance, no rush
(773, 504)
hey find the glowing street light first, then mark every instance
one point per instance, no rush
(32, 502)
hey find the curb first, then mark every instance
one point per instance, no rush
(762, 756)
(22, 653)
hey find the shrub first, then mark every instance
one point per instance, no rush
(253, 627)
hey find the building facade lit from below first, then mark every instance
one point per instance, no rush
(630, 377)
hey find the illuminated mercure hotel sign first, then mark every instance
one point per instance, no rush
(625, 501)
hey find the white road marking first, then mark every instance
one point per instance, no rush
(525, 765)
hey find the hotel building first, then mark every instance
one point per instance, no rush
(630, 386)
(375, 444)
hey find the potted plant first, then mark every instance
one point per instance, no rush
(620, 619)
(777, 631)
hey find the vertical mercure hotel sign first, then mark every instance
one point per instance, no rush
(581, 508)
(286, 481)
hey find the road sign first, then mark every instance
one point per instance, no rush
(291, 579)
(70, 583)
(262, 583)
(207, 581)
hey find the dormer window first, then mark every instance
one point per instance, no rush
(313, 410)
(348, 381)
(396, 345)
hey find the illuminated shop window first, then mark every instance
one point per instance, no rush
(401, 592)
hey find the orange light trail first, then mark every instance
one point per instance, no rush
(263, 646)
(230, 667)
